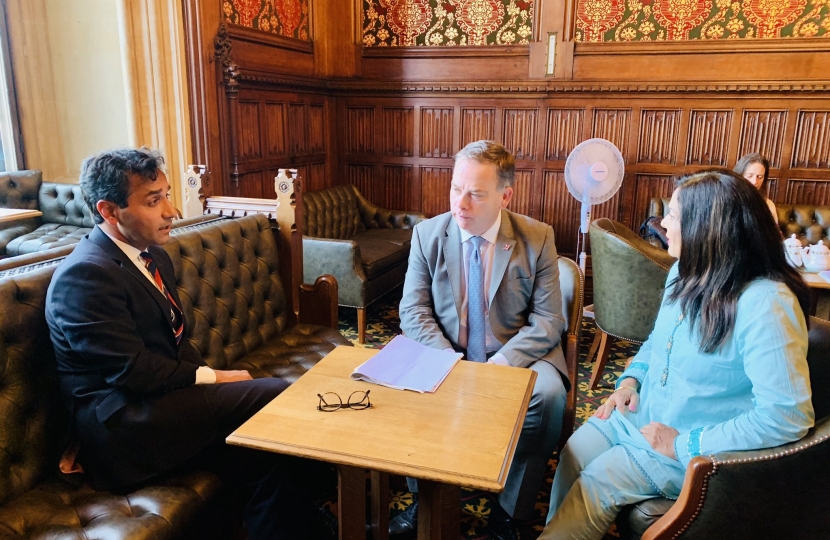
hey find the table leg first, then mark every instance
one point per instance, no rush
(439, 513)
(351, 503)
(380, 505)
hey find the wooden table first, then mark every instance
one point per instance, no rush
(14, 214)
(820, 301)
(464, 434)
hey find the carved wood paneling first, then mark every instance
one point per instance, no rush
(275, 129)
(361, 176)
(477, 124)
(398, 131)
(812, 140)
(316, 129)
(612, 124)
(436, 132)
(520, 132)
(315, 177)
(250, 185)
(393, 191)
(647, 186)
(297, 128)
(563, 134)
(772, 189)
(360, 129)
(609, 209)
(659, 131)
(248, 130)
(560, 211)
(763, 132)
(523, 195)
(808, 191)
(435, 190)
(709, 137)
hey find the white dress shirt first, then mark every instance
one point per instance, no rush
(204, 375)
(488, 248)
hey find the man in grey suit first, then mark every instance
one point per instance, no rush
(485, 281)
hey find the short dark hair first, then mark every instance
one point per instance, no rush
(728, 239)
(106, 176)
(495, 154)
(744, 163)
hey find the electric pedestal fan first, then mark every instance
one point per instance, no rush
(593, 173)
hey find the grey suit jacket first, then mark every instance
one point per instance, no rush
(524, 297)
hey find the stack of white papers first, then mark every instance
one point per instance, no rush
(405, 364)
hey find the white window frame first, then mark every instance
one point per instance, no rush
(9, 122)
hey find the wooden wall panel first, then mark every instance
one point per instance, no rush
(520, 132)
(477, 124)
(360, 130)
(772, 188)
(250, 185)
(523, 195)
(361, 176)
(612, 124)
(316, 129)
(249, 130)
(437, 129)
(709, 137)
(435, 190)
(393, 191)
(398, 131)
(647, 186)
(807, 191)
(297, 142)
(560, 211)
(315, 177)
(763, 132)
(564, 132)
(659, 130)
(275, 129)
(812, 143)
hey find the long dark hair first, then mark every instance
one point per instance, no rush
(727, 239)
(749, 159)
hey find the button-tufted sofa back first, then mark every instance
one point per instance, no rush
(19, 189)
(64, 204)
(808, 222)
(228, 281)
(29, 400)
(332, 213)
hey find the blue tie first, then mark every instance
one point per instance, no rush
(476, 349)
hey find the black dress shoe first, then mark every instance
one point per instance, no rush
(501, 524)
(405, 524)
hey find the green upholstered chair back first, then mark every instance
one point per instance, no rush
(808, 222)
(332, 213)
(629, 277)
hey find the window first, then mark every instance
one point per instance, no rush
(11, 156)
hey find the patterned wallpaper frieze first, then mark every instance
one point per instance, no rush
(287, 18)
(677, 20)
(446, 22)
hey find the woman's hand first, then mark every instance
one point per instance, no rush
(661, 438)
(622, 397)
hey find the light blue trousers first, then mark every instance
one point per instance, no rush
(593, 481)
(540, 433)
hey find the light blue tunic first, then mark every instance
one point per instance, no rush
(754, 392)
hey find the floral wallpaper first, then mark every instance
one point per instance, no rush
(287, 18)
(391, 23)
(657, 20)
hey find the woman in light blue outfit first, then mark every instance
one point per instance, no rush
(724, 369)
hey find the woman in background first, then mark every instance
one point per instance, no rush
(755, 168)
(724, 369)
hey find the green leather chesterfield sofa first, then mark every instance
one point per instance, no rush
(66, 217)
(364, 246)
(237, 315)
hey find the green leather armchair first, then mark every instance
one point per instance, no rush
(572, 285)
(629, 277)
(362, 245)
(776, 492)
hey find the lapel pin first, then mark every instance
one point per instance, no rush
(507, 247)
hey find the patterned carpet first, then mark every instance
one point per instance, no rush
(383, 325)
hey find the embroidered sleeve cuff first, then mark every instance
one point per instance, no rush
(499, 359)
(687, 445)
(205, 375)
(637, 370)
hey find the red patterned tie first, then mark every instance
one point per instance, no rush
(176, 319)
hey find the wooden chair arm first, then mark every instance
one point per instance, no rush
(318, 302)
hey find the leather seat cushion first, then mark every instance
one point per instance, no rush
(634, 519)
(400, 237)
(292, 353)
(379, 255)
(47, 236)
(56, 510)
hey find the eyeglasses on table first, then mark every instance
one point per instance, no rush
(330, 401)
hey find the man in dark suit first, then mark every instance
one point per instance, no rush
(144, 402)
(485, 281)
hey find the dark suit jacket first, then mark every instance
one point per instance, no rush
(137, 412)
